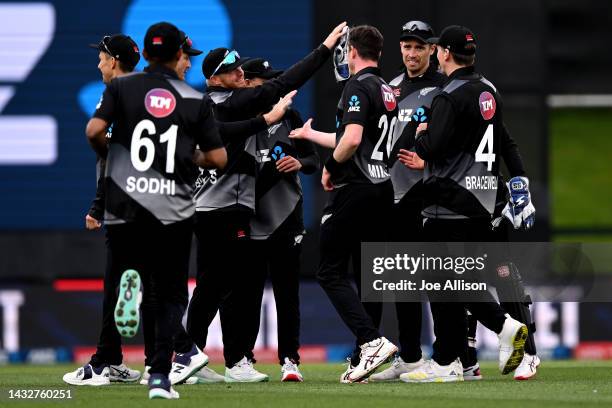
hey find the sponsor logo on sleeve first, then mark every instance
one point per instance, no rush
(487, 105)
(388, 97)
(160, 102)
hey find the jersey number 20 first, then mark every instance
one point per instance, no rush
(387, 132)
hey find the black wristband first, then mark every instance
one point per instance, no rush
(332, 165)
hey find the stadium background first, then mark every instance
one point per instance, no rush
(548, 58)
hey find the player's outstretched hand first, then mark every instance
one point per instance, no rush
(334, 36)
(288, 164)
(303, 132)
(410, 159)
(326, 180)
(91, 223)
(279, 110)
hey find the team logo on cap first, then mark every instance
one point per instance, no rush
(160, 102)
(157, 41)
(388, 97)
(487, 105)
(469, 37)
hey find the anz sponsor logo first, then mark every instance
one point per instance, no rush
(263, 156)
(354, 104)
(405, 115)
(377, 171)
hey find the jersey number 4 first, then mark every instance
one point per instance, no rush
(486, 143)
(139, 142)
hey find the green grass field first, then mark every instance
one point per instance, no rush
(559, 384)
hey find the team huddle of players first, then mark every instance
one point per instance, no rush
(401, 151)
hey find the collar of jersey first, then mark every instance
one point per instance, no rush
(429, 74)
(368, 70)
(161, 69)
(464, 71)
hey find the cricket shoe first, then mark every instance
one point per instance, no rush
(160, 387)
(127, 313)
(243, 371)
(511, 345)
(87, 375)
(144, 380)
(431, 371)
(472, 373)
(123, 373)
(527, 368)
(185, 365)
(372, 355)
(397, 368)
(344, 378)
(205, 376)
(290, 372)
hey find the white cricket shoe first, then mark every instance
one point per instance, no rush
(372, 355)
(472, 373)
(123, 373)
(527, 368)
(511, 344)
(86, 375)
(145, 376)
(290, 372)
(344, 378)
(185, 365)
(160, 388)
(431, 371)
(205, 376)
(243, 371)
(397, 368)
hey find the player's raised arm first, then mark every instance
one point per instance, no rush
(306, 132)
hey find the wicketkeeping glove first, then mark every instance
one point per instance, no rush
(519, 210)
(341, 68)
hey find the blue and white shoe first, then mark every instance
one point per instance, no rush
(87, 375)
(123, 373)
(127, 316)
(185, 365)
(160, 387)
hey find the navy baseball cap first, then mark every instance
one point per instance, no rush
(187, 45)
(418, 30)
(220, 61)
(162, 40)
(259, 68)
(121, 47)
(457, 39)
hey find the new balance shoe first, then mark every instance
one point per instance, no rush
(88, 375)
(431, 371)
(145, 376)
(397, 368)
(344, 378)
(205, 376)
(527, 368)
(185, 365)
(290, 372)
(127, 314)
(243, 371)
(511, 345)
(123, 373)
(372, 355)
(472, 373)
(160, 387)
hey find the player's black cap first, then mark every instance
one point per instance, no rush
(121, 47)
(187, 45)
(259, 68)
(162, 41)
(221, 61)
(418, 30)
(457, 39)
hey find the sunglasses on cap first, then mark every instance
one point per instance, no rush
(104, 46)
(416, 25)
(230, 58)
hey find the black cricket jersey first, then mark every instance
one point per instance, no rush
(278, 203)
(157, 122)
(234, 188)
(462, 148)
(366, 100)
(414, 96)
